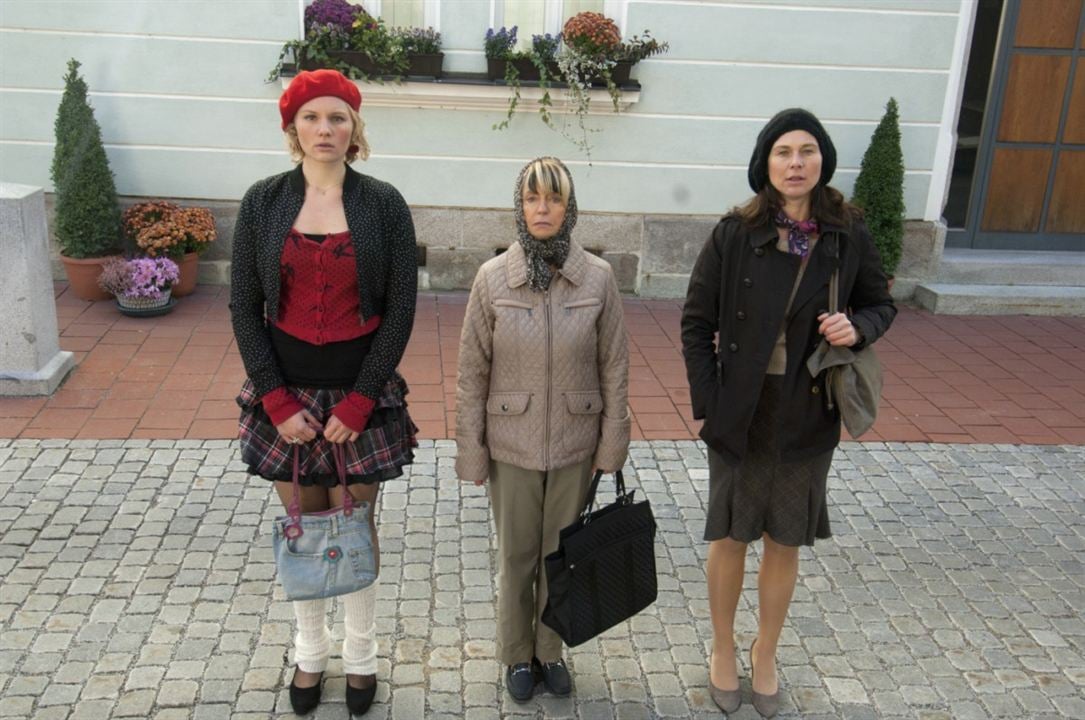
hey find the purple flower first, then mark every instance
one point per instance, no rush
(151, 277)
(332, 12)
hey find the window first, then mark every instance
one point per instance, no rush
(406, 13)
(536, 17)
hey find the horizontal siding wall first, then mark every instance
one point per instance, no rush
(179, 90)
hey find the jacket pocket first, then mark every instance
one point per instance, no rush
(507, 403)
(580, 429)
(506, 302)
(508, 427)
(583, 302)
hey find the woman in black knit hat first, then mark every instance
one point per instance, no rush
(762, 283)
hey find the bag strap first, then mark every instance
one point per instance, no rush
(340, 456)
(293, 510)
(619, 492)
(834, 300)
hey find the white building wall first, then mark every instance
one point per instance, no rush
(179, 89)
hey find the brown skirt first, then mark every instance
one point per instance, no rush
(764, 495)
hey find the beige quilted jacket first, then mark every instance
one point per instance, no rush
(543, 377)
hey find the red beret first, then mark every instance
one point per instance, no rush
(309, 84)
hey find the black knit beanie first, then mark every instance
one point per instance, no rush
(784, 122)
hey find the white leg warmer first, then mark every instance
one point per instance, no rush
(313, 643)
(359, 636)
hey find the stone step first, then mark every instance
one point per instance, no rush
(963, 266)
(961, 299)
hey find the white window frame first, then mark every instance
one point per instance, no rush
(554, 14)
(431, 12)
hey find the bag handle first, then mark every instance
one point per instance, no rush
(293, 529)
(834, 292)
(620, 494)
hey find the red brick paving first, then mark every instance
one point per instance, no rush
(1010, 379)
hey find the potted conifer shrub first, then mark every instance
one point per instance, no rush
(88, 217)
(879, 189)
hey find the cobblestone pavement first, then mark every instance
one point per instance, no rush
(137, 581)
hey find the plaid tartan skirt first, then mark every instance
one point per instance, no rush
(379, 453)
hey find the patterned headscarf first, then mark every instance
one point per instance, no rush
(541, 254)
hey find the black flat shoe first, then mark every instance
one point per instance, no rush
(520, 681)
(556, 676)
(359, 699)
(305, 700)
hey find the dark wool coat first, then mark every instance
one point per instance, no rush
(739, 288)
(382, 233)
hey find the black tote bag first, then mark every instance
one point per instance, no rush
(604, 570)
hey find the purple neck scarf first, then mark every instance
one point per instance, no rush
(798, 233)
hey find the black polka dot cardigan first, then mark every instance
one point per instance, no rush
(382, 232)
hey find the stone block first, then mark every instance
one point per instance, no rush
(611, 232)
(31, 361)
(454, 269)
(664, 285)
(438, 227)
(671, 244)
(487, 229)
(626, 267)
(213, 272)
(225, 213)
(922, 248)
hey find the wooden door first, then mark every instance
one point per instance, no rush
(1035, 166)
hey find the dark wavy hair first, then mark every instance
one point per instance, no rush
(827, 205)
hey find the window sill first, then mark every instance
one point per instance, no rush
(476, 92)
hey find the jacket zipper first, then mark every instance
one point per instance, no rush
(546, 444)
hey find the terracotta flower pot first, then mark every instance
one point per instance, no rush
(83, 276)
(189, 265)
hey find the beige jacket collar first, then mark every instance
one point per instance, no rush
(573, 270)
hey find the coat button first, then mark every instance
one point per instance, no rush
(733, 347)
(740, 315)
(588, 406)
(748, 282)
(815, 389)
(759, 251)
(504, 407)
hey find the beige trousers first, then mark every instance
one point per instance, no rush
(530, 508)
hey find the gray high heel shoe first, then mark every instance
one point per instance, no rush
(766, 705)
(726, 700)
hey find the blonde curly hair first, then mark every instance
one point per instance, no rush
(357, 140)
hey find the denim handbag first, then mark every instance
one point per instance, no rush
(328, 553)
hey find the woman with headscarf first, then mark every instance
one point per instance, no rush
(541, 403)
(761, 284)
(322, 299)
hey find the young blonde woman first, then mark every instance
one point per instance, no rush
(541, 401)
(322, 299)
(761, 286)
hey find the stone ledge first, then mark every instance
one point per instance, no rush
(951, 299)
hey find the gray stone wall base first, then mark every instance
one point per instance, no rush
(652, 255)
(664, 285)
(922, 248)
(213, 272)
(39, 382)
(31, 361)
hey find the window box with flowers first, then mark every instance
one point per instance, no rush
(163, 229)
(141, 285)
(592, 54)
(345, 37)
